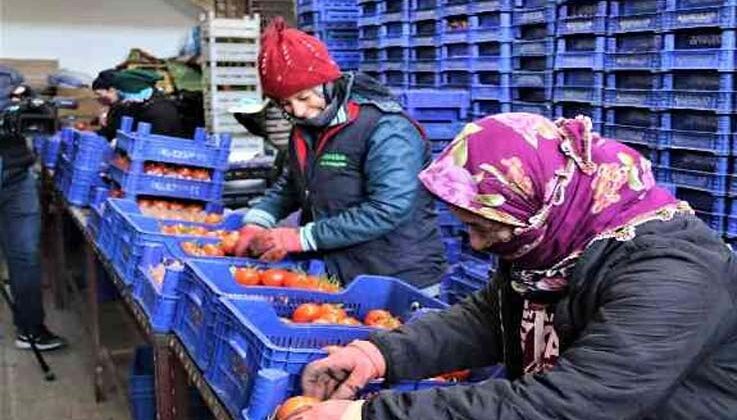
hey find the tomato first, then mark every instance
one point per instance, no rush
(328, 285)
(190, 248)
(157, 273)
(212, 250)
(213, 218)
(247, 276)
(273, 277)
(458, 375)
(387, 323)
(227, 245)
(349, 320)
(295, 405)
(184, 172)
(170, 229)
(328, 310)
(375, 316)
(306, 313)
(144, 203)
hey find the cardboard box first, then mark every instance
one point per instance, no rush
(36, 72)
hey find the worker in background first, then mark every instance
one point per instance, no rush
(20, 230)
(140, 100)
(613, 300)
(105, 94)
(354, 157)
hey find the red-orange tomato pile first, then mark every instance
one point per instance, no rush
(228, 238)
(175, 210)
(276, 277)
(330, 313)
(165, 169)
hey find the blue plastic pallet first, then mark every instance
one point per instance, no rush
(425, 59)
(395, 78)
(481, 6)
(710, 50)
(395, 34)
(339, 39)
(628, 16)
(458, 79)
(710, 142)
(533, 79)
(631, 134)
(490, 27)
(425, 33)
(579, 86)
(650, 153)
(699, 17)
(442, 130)
(456, 57)
(204, 151)
(541, 108)
(483, 108)
(540, 47)
(531, 94)
(491, 56)
(574, 109)
(456, 7)
(587, 18)
(485, 88)
(346, 18)
(716, 222)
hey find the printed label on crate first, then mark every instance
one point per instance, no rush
(695, 18)
(635, 23)
(177, 154)
(172, 187)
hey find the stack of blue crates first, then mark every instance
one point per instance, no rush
(335, 22)
(83, 158)
(579, 59)
(533, 56)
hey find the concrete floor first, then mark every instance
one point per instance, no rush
(25, 395)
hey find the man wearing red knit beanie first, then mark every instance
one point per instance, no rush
(354, 161)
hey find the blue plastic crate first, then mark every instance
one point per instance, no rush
(702, 200)
(696, 120)
(716, 222)
(368, 20)
(585, 18)
(437, 105)
(536, 79)
(579, 86)
(48, 149)
(75, 184)
(699, 17)
(699, 90)
(650, 153)
(158, 300)
(371, 60)
(337, 18)
(452, 250)
(540, 108)
(456, 7)
(251, 338)
(531, 94)
(425, 33)
(481, 6)
(394, 10)
(634, 52)
(573, 109)
(425, 59)
(395, 78)
(631, 134)
(395, 34)
(339, 39)
(203, 151)
(627, 16)
(454, 35)
(437, 146)
(457, 79)
(709, 50)
(633, 89)
(491, 26)
(526, 16)
(580, 52)
(425, 79)
(141, 386)
(491, 86)
(425, 10)
(713, 143)
(491, 56)
(705, 181)
(196, 315)
(347, 59)
(456, 57)
(164, 186)
(540, 47)
(694, 161)
(442, 130)
(483, 108)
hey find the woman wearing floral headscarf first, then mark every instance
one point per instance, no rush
(613, 300)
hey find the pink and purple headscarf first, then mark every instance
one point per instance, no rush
(559, 184)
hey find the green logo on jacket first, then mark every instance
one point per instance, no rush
(333, 160)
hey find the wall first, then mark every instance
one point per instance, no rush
(91, 35)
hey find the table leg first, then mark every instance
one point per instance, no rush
(94, 322)
(59, 269)
(172, 396)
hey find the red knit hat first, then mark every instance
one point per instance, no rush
(291, 61)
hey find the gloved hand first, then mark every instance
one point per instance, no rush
(275, 244)
(247, 234)
(331, 410)
(344, 372)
